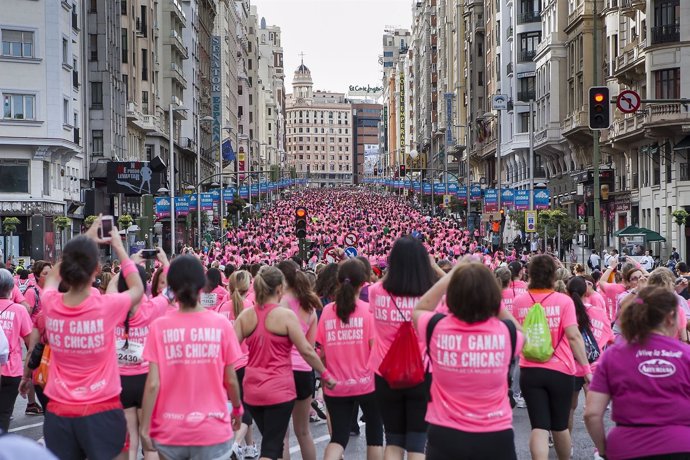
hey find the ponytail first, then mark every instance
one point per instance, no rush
(300, 285)
(351, 277)
(239, 285)
(266, 283)
(577, 287)
(646, 312)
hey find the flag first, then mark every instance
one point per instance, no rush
(228, 152)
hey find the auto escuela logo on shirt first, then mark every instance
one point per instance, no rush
(656, 367)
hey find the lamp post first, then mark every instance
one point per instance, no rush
(171, 171)
(206, 119)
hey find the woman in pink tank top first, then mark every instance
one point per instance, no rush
(269, 387)
(300, 298)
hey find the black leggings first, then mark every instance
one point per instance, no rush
(449, 444)
(403, 413)
(9, 389)
(272, 422)
(340, 410)
(246, 417)
(548, 395)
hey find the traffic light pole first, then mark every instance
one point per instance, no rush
(596, 158)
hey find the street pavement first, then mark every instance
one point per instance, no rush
(583, 449)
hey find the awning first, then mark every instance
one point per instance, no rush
(631, 230)
(684, 144)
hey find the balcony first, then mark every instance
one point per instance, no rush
(150, 123)
(132, 111)
(666, 116)
(526, 55)
(627, 128)
(178, 43)
(528, 16)
(629, 66)
(75, 79)
(176, 73)
(526, 96)
(665, 34)
(631, 7)
(176, 9)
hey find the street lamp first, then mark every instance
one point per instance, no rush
(171, 171)
(206, 119)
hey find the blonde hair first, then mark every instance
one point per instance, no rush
(238, 284)
(266, 282)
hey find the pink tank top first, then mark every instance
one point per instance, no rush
(298, 363)
(268, 376)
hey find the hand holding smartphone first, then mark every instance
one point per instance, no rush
(105, 228)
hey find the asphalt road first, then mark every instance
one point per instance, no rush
(32, 427)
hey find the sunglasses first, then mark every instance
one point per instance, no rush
(635, 278)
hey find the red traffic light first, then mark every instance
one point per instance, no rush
(301, 212)
(599, 97)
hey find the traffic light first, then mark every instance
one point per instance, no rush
(301, 222)
(403, 170)
(503, 215)
(376, 171)
(599, 108)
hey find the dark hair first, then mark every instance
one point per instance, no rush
(682, 267)
(326, 282)
(542, 272)
(577, 287)
(649, 310)
(266, 282)
(351, 276)
(122, 282)
(79, 261)
(155, 279)
(254, 269)
(299, 283)
(23, 274)
(409, 270)
(38, 267)
(629, 270)
(229, 270)
(367, 266)
(515, 269)
(213, 279)
(467, 302)
(186, 279)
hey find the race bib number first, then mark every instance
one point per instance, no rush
(130, 356)
(209, 300)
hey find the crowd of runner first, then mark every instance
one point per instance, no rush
(195, 357)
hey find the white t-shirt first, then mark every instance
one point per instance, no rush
(595, 259)
(647, 262)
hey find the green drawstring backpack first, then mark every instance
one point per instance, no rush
(538, 346)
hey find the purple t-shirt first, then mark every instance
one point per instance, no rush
(649, 385)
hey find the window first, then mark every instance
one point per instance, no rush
(145, 102)
(239, 90)
(46, 178)
(97, 142)
(17, 43)
(18, 106)
(65, 111)
(667, 83)
(666, 21)
(93, 6)
(65, 52)
(528, 46)
(96, 94)
(93, 47)
(144, 65)
(125, 48)
(14, 176)
(526, 90)
(123, 7)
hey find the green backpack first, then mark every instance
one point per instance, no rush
(538, 346)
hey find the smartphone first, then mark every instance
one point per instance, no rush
(106, 227)
(149, 253)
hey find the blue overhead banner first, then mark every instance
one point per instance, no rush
(206, 202)
(491, 199)
(244, 192)
(215, 194)
(521, 200)
(181, 206)
(475, 192)
(462, 193)
(542, 199)
(507, 197)
(229, 194)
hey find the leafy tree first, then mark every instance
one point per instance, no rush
(547, 221)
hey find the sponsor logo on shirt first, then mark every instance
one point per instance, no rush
(657, 368)
(194, 417)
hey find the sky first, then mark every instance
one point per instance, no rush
(341, 39)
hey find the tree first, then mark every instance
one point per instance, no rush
(547, 221)
(61, 223)
(9, 224)
(88, 221)
(124, 222)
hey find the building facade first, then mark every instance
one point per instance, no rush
(319, 133)
(42, 163)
